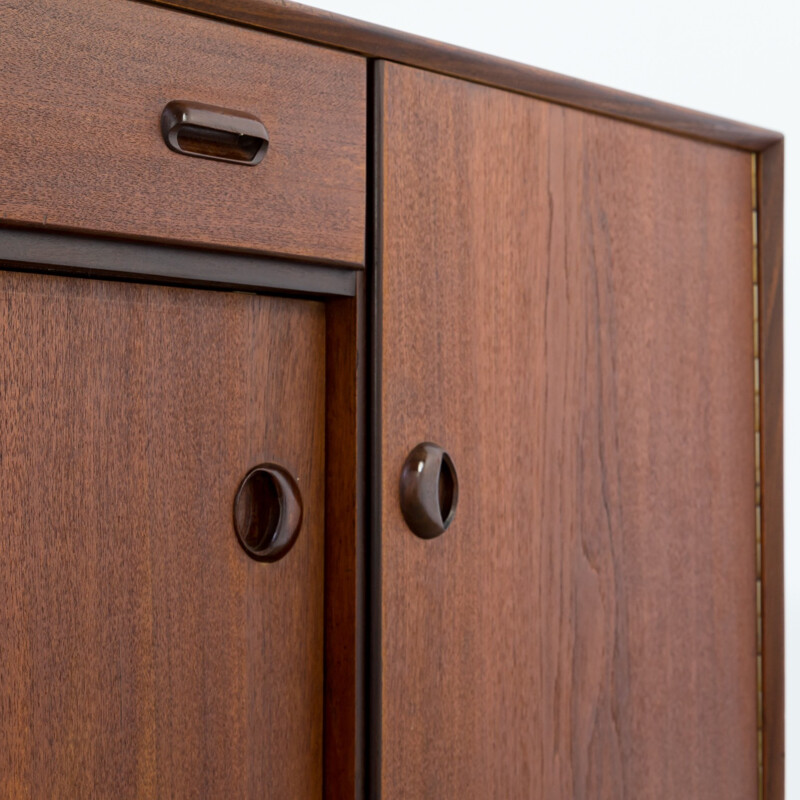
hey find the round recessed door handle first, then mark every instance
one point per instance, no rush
(268, 512)
(428, 490)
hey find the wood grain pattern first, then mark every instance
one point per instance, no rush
(295, 19)
(344, 548)
(81, 147)
(143, 653)
(770, 245)
(567, 308)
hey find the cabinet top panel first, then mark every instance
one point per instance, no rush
(323, 27)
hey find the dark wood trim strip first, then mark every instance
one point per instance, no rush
(770, 268)
(117, 258)
(375, 294)
(333, 30)
(345, 459)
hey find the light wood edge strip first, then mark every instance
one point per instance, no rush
(375, 41)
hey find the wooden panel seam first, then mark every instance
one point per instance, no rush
(374, 275)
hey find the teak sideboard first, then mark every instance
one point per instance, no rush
(378, 420)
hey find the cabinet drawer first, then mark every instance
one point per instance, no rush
(82, 93)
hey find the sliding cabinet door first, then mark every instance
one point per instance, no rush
(566, 309)
(143, 652)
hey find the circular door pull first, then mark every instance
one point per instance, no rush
(428, 490)
(267, 512)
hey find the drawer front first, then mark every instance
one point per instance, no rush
(81, 96)
(144, 653)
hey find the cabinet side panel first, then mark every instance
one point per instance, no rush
(770, 250)
(567, 309)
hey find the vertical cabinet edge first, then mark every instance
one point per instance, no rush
(770, 274)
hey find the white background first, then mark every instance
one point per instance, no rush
(734, 58)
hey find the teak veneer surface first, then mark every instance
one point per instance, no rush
(567, 309)
(83, 88)
(143, 653)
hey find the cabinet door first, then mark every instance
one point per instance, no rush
(567, 309)
(142, 652)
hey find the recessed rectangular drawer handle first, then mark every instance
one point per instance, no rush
(196, 129)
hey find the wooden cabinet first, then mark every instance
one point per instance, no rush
(534, 321)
